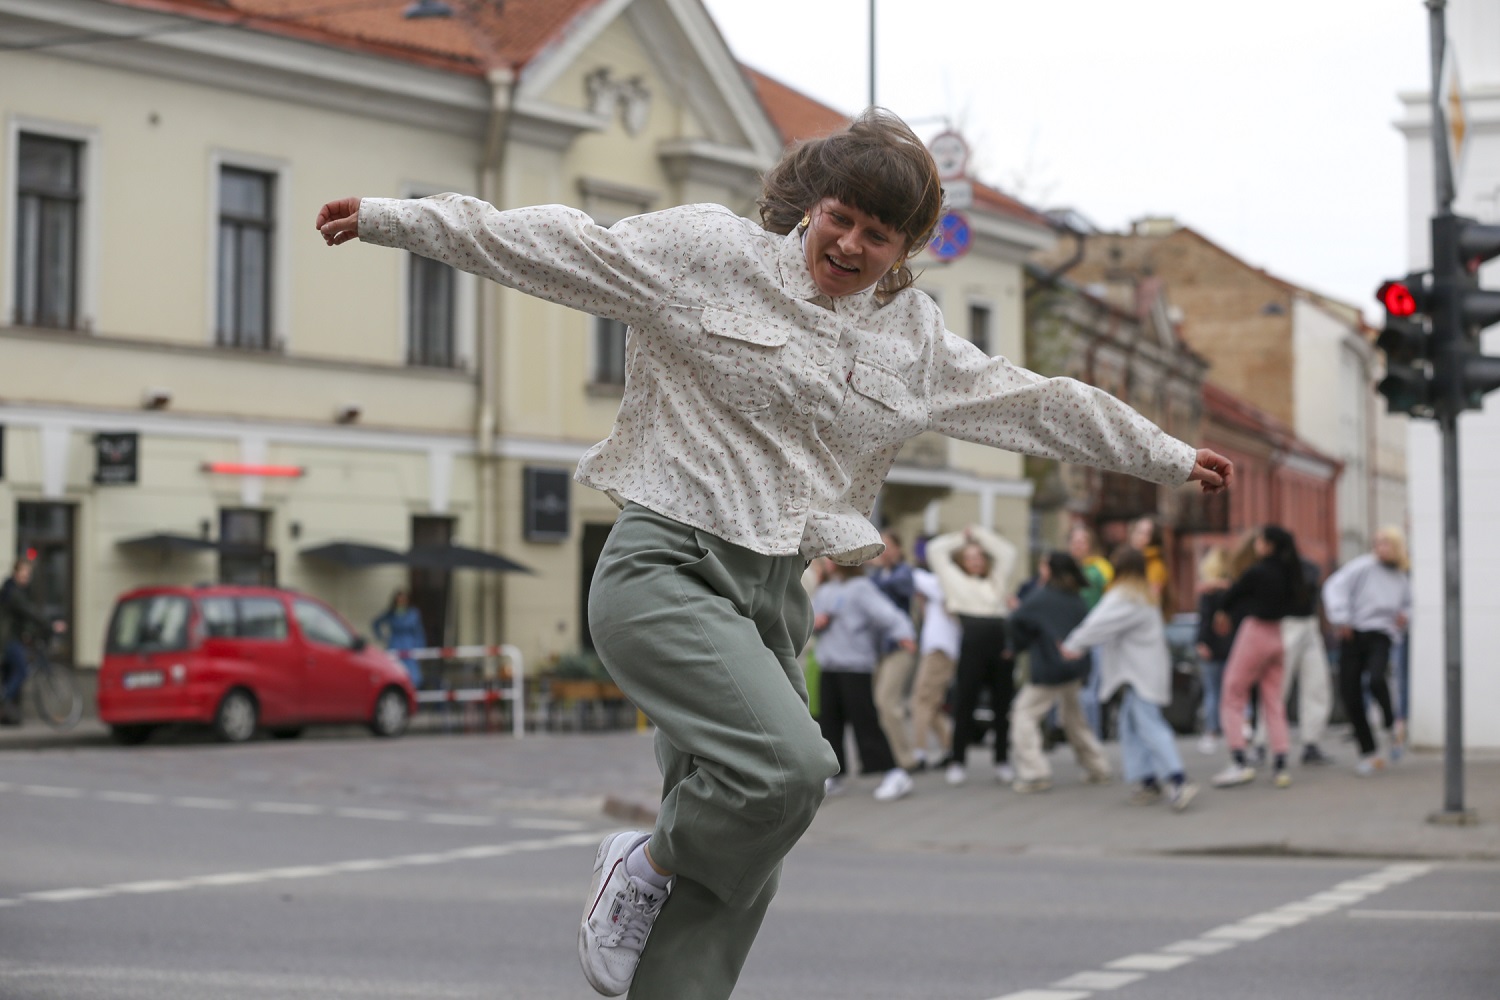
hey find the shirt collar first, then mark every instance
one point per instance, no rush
(798, 282)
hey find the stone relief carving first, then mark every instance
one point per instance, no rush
(632, 97)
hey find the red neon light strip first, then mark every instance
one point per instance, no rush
(245, 469)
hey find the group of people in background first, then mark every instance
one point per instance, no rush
(900, 646)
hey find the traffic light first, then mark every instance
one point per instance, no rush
(1461, 310)
(1408, 384)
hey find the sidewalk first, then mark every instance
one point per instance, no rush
(1328, 811)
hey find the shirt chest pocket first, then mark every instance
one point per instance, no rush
(879, 409)
(739, 358)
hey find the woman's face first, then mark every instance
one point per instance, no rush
(848, 251)
(973, 561)
(1140, 535)
(1078, 545)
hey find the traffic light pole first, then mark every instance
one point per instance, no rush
(1448, 367)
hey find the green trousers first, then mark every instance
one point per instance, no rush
(703, 636)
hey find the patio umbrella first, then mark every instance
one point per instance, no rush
(167, 542)
(450, 557)
(353, 555)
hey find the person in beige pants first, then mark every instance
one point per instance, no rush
(893, 575)
(1044, 618)
(937, 652)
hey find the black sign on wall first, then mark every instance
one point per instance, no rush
(547, 504)
(116, 456)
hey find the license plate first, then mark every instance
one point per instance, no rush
(143, 679)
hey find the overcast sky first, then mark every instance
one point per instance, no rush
(1266, 126)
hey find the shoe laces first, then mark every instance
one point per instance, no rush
(637, 911)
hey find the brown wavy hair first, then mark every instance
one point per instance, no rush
(877, 165)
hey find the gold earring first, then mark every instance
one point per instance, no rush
(806, 221)
(896, 267)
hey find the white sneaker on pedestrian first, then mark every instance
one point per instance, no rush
(833, 786)
(1208, 743)
(1371, 765)
(617, 917)
(955, 775)
(896, 784)
(1181, 795)
(1234, 774)
(1005, 774)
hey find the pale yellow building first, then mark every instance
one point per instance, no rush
(181, 356)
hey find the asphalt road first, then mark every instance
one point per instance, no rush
(456, 867)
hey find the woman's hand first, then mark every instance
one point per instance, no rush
(338, 221)
(1213, 470)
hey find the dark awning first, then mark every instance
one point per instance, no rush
(167, 542)
(353, 554)
(450, 557)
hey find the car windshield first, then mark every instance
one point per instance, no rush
(150, 624)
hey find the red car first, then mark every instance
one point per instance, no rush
(242, 658)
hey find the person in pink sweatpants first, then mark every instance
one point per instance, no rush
(1272, 588)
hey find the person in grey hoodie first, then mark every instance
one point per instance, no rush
(1050, 612)
(1368, 602)
(853, 620)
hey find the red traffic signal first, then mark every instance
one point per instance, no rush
(1397, 298)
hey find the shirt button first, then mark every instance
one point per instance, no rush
(824, 362)
(805, 408)
(798, 503)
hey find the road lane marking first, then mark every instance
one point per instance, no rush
(1198, 946)
(456, 819)
(1149, 962)
(1133, 968)
(296, 808)
(231, 879)
(1099, 980)
(1439, 915)
(357, 812)
(52, 791)
(287, 808)
(131, 798)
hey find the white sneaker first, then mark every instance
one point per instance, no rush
(1234, 774)
(833, 786)
(1005, 774)
(895, 785)
(1208, 743)
(1181, 795)
(1367, 766)
(955, 775)
(617, 917)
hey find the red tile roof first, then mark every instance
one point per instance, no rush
(511, 36)
(798, 116)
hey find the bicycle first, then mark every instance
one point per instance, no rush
(54, 688)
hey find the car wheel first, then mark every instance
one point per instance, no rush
(287, 732)
(129, 736)
(237, 717)
(392, 713)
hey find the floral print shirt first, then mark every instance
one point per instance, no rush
(755, 407)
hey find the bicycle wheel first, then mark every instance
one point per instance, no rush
(55, 693)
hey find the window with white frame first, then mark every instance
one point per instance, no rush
(246, 231)
(431, 305)
(979, 326)
(609, 351)
(49, 195)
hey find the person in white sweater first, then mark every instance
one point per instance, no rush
(1127, 627)
(974, 567)
(1368, 601)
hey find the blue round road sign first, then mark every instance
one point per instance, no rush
(952, 239)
